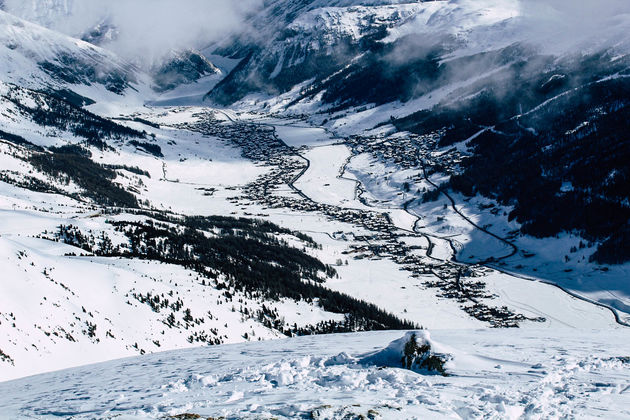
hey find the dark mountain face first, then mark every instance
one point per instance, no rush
(72, 69)
(553, 143)
(291, 42)
(101, 33)
(184, 67)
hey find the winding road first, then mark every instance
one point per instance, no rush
(489, 262)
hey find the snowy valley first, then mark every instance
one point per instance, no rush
(345, 170)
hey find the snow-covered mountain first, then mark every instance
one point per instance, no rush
(35, 57)
(169, 63)
(328, 166)
(183, 68)
(406, 49)
(487, 73)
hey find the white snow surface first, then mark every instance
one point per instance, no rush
(45, 290)
(493, 374)
(48, 295)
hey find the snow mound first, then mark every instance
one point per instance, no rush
(413, 351)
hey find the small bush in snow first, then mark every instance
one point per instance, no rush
(420, 357)
(413, 351)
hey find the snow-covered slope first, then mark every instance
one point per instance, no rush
(54, 314)
(492, 374)
(159, 38)
(61, 309)
(35, 57)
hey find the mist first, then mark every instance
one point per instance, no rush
(564, 26)
(551, 26)
(146, 30)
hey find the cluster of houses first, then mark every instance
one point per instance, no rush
(410, 151)
(257, 142)
(260, 144)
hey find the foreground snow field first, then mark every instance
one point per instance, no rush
(492, 374)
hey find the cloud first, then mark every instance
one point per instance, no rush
(565, 26)
(552, 26)
(147, 29)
